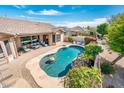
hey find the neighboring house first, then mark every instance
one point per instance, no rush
(75, 31)
(79, 31)
(18, 33)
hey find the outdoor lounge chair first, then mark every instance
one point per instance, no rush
(36, 45)
(80, 43)
(26, 49)
(43, 44)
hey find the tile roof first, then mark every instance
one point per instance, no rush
(77, 29)
(16, 27)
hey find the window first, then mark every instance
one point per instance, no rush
(25, 40)
(34, 38)
(58, 38)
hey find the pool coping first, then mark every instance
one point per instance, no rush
(40, 76)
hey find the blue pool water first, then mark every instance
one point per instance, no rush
(62, 64)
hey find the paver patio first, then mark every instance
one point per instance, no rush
(18, 70)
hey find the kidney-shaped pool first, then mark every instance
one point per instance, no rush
(62, 61)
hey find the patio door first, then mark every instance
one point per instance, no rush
(1, 54)
(9, 52)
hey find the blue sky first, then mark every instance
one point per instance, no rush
(60, 15)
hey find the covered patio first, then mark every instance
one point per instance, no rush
(27, 42)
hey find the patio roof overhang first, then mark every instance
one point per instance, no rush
(4, 36)
(35, 34)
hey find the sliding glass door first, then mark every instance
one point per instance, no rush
(1, 53)
(7, 45)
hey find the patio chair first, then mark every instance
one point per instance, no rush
(26, 49)
(38, 44)
(43, 44)
(46, 45)
(81, 43)
(35, 45)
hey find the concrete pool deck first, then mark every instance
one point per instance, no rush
(40, 77)
(19, 72)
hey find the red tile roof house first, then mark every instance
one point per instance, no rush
(18, 33)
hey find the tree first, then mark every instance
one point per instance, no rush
(116, 34)
(91, 50)
(83, 77)
(91, 30)
(102, 29)
(88, 27)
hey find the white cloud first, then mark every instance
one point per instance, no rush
(19, 6)
(31, 12)
(50, 12)
(45, 12)
(101, 19)
(93, 23)
(30, 18)
(25, 17)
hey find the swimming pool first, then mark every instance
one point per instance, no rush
(62, 63)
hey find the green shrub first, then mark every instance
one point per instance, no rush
(20, 49)
(83, 77)
(107, 68)
(89, 39)
(70, 39)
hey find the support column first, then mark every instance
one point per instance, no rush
(41, 38)
(4, 50)
(62, 37)
(31, 40)
(18, 42)
(13, 47)
(50, 39)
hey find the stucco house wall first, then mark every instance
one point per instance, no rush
(11, 31)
